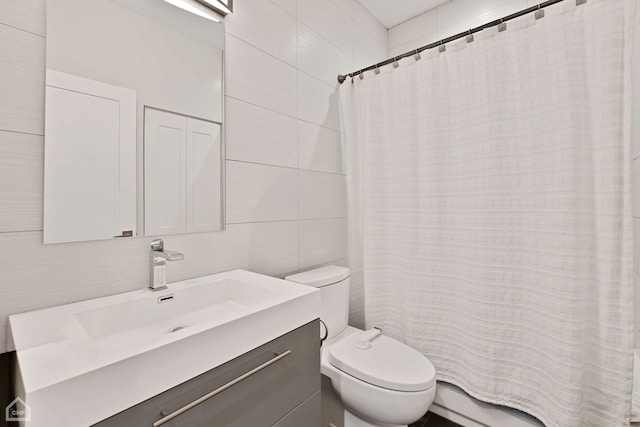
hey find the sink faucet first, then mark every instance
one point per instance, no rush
(159, 258)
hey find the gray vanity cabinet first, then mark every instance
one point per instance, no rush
(284, 393)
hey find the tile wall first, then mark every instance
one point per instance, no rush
(285, 174)
(635, 150)
(451, 18)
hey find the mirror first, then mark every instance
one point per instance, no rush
(133, 120)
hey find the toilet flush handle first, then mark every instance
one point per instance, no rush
(364, 339)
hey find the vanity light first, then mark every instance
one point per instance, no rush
(194, 7)
(223, 7)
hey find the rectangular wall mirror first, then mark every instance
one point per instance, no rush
(133, 120)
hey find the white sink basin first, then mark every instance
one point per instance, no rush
(147, 317)
(108, 354)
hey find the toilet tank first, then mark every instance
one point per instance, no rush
(333, 282)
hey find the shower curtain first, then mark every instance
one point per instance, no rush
(489, 211)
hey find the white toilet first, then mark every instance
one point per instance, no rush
(381, 381)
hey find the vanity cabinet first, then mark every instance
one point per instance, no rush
(284, 391)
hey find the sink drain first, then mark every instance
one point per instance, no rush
(176, 329)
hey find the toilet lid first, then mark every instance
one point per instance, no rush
(388, 363)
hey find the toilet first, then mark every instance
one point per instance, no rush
(381, 381)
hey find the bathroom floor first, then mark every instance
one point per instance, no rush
(432, 420)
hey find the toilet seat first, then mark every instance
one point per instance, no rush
(387, 363)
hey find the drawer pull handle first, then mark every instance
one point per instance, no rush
(220, 389)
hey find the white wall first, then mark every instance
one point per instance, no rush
(635, 138)
(449, 19)
(285, 179)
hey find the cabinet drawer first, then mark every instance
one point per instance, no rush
(260, 399)
(307, 414)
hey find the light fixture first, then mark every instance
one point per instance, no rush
(194, 7)
(223, 7)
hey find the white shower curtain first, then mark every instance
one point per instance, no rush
(489, 211)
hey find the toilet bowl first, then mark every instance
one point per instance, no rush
(381, 381)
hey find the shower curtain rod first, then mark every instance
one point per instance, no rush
(343, 77)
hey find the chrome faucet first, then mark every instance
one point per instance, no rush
(159, 258)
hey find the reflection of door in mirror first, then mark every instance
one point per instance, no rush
(91, 135)
(158, 55)
(182, 176)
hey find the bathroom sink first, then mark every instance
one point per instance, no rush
(108, 354)
(148, 317)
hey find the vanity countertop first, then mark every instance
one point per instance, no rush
(108, 354)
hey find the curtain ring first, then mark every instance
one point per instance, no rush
(376, 70)
(502, 26)
(539, 13)
(442, 47)
(395, 62)
(361, 75)
(417, 55)
(470, 37)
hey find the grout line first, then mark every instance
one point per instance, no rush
(322, 81)
(20, 231)
(261, 106)
(285, 10)
(298, 23)
(323, 218)
(261, 222)
(261, 49)
(20, 132)
(323, 37)
(350, 15)
(284, 167)
(371, 36)
(280, 112)
(279, 220)
(23, 30)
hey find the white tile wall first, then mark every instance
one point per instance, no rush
(281, 61)
(635, 129)
(25, 15)
(261, 193)
(320, 148)
(321, 239)
(333, 22)
(22, 77)
(322, 195)
(318, 102)
(636, 303)
(449, 19)
(635, 144)
(319, 58)
(269, 28)
(260, 135)
(259, 78)
(21, 181)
